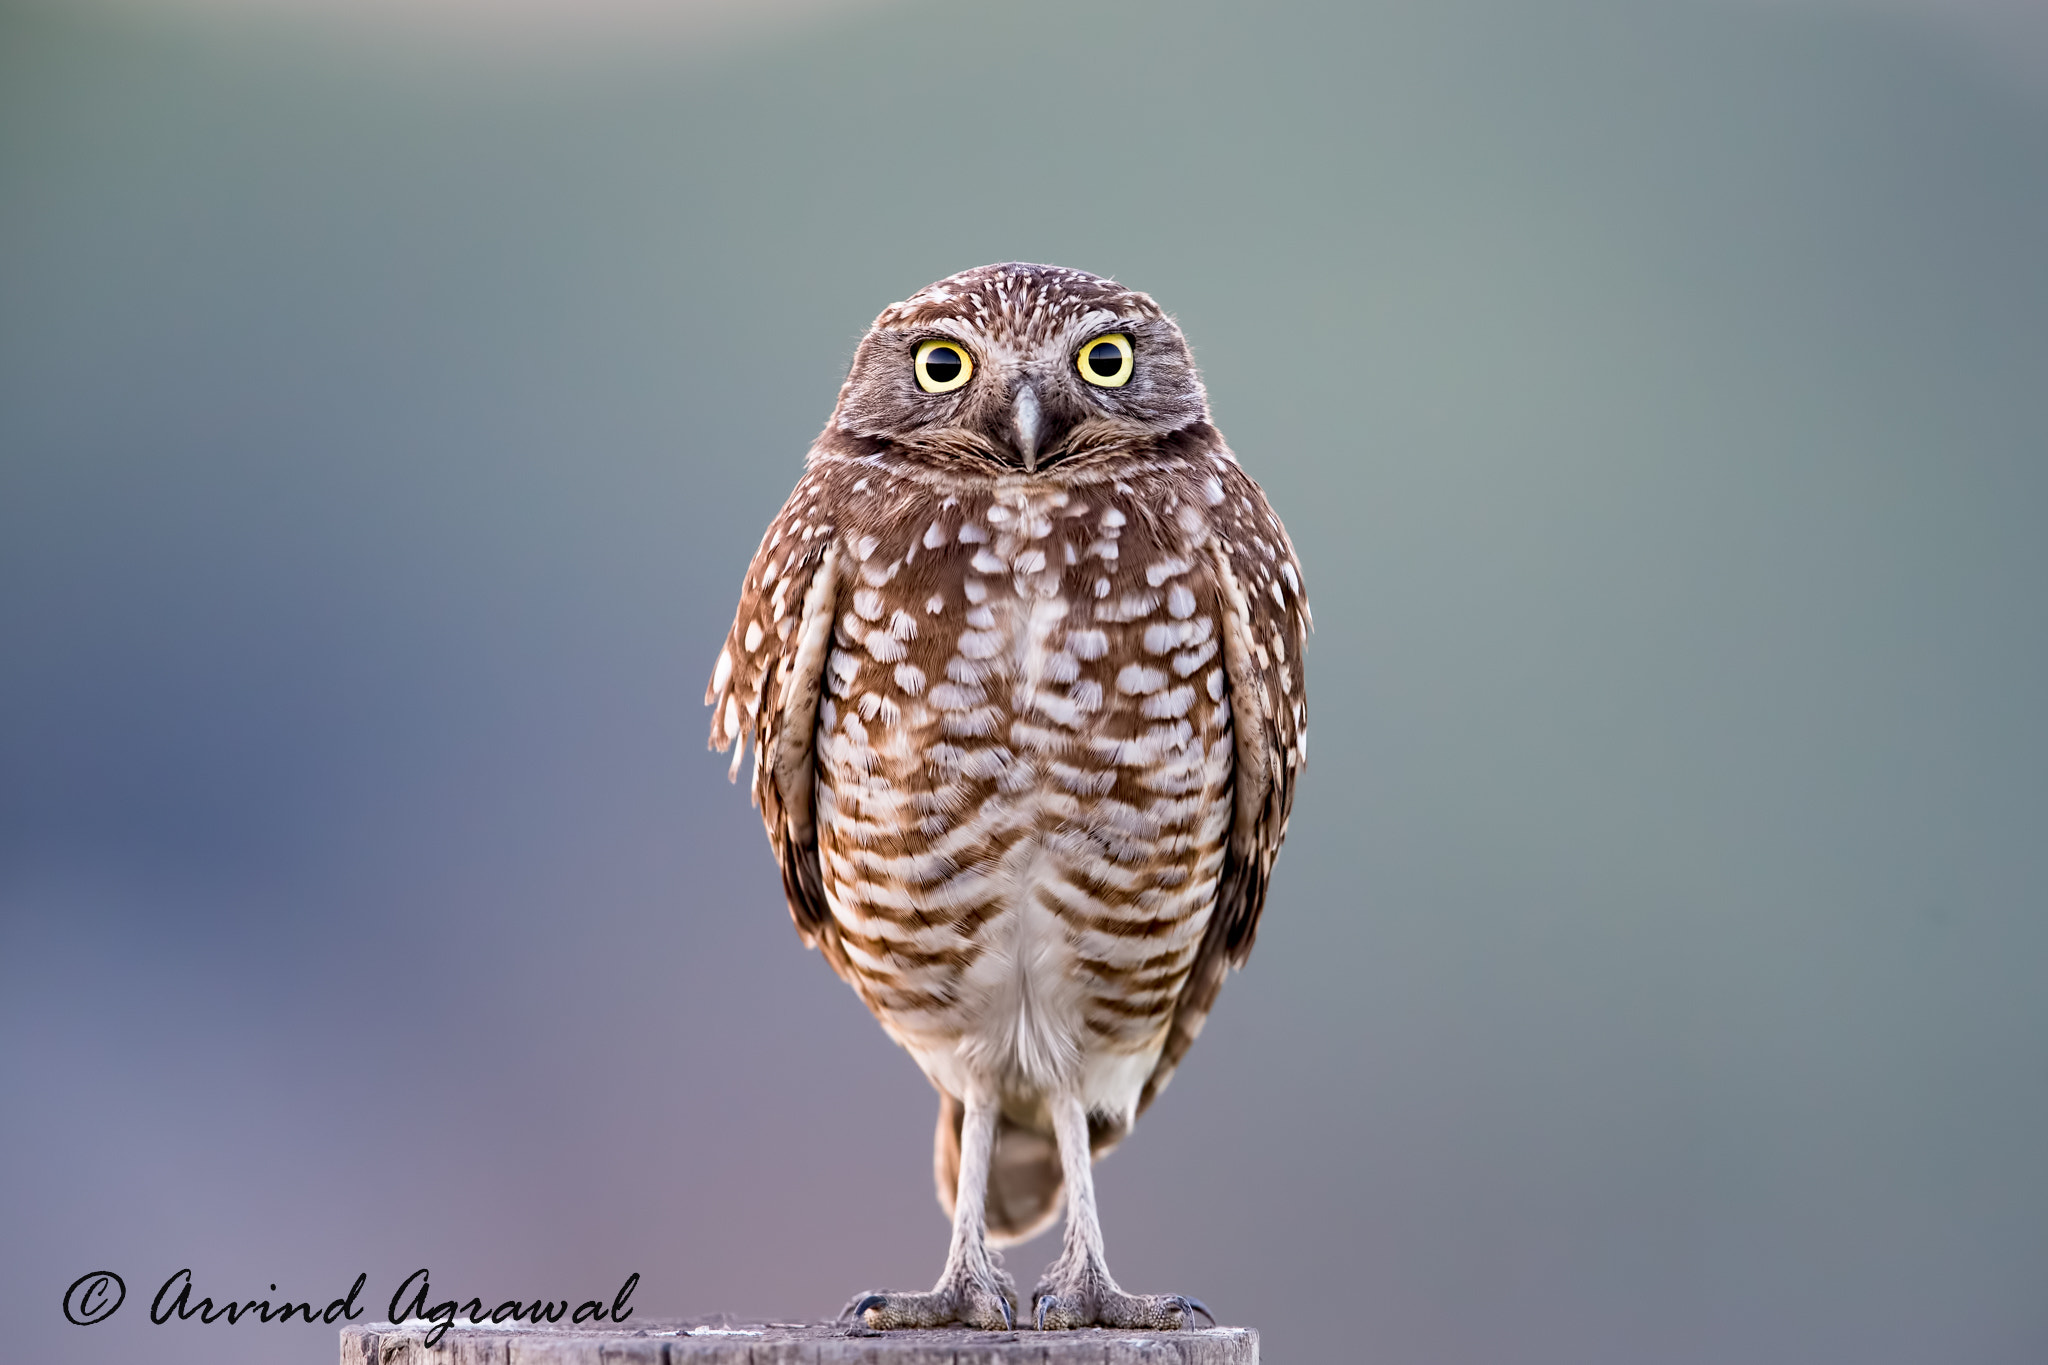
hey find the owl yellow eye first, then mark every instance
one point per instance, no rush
(942, 366)
(1106, 361)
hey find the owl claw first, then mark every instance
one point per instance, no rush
(965, 1304)
(860, 1305)
(1098, 1305)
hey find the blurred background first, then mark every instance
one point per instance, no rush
(392, 395)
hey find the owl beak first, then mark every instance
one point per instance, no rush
(1024, 425)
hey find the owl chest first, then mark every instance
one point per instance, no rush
(1023, 800)
(1017, 674)
(955, 720)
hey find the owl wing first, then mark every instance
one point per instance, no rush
(1258, 585)
(766, 687)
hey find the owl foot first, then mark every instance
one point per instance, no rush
(986, 1302)
(1089, 1298)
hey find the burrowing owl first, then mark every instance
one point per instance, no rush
(1021, 658)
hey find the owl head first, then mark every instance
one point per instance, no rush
(1026, 367)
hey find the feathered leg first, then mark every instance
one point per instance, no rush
(1076, 1290)
(972, 1289)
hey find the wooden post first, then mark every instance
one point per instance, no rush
(683, 1343)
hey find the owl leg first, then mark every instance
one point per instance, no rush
(1076, 1290)
(973, 1288)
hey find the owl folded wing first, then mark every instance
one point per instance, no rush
(766, 687)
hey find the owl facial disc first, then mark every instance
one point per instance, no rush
(1029, 369)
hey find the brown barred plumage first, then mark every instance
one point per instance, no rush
(1022, 666)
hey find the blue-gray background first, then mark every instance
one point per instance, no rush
(1658, 395)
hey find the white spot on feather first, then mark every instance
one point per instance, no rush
(1166, 705)
(1135, 679)
(1158, 572)
(1184, 664)
(1087, 644)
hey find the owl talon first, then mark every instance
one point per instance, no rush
(1089, 1298)
(858, 1305)
(965, 1302)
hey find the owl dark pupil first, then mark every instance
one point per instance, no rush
(1105, 359)
(942, 363)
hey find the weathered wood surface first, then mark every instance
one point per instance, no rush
(683, 1343)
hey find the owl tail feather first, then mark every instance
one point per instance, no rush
(1024, 1179)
